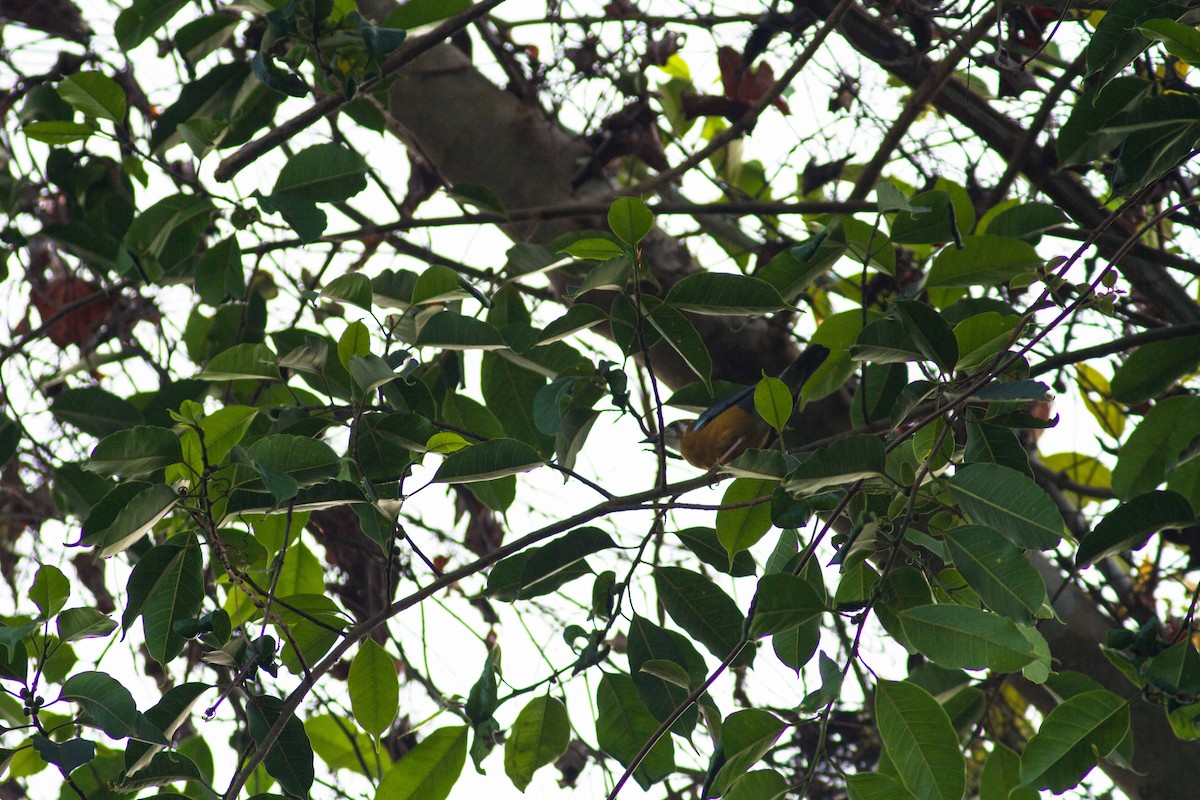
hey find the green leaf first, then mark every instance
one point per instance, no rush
(95, 95)
(930, 332)
(302, 214)
(50, 590)
(596, 249)
(453, 331)
(648, 642)
(1010, 503)
(140, 450)
(746, 736)
(773, 402)
(290, 758)
(1176, 670)
(885, 341)
(623, 725)
(168, 232)
(1001, 777)
(494, 458)
(1181, 41)
(740, 525)
(1131, 524)
(703, 610)
(338, 743)
(846, 460)
(58, 132)
(875, 786)
(307, 461)
(242, 361)
(793, 271)
(107, 704)
(580, 316)
(722, 293)
(930, 221)
(679, 332)
(704, 545)
(140, 511)
(355, 341)
(83, 623)
(219, 273)
(1114, 44)
(783, 601)
(1152, 451)
(759, 785)
(1082, 138)
(1072, 738)
(430, 770)
(982, 261)
(629, 219)
(961, 637)
(1152, 369)
(997, 571)
(142, 20)
(353, 288)
(322, 173)
(166, 586)
(830, 689)
(920, 741)
(1027, 220)
(415, 13)
(539, 735)
(162, 768)
(67, 755)
(439, 284)
(374, 687)
(536, 571)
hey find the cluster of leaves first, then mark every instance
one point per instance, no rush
(217, 484)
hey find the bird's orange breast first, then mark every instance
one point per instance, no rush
(724, 438)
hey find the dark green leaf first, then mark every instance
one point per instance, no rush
(930, 332)
(142, 20)
(845, 460)
(623, 725)
(722, 293)
(537, 571)
(703, 610)
(539, 735)
(1131, 524)
(920, 741)
(1008, 502)
(746, 736)
(67, 755)
(106, 702)
(1152, 369)
(983, 260)
(704, 545)
(322, 173)
(140, 450)
(1072, 738)
(453, 331)
(494, 458)
(290, 757)
(95, 95)
(997, 571)
(962, 637)
(931, 220)
(783, 601)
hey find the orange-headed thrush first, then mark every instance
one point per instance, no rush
(733, 425)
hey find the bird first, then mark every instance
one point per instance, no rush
(730, 427)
